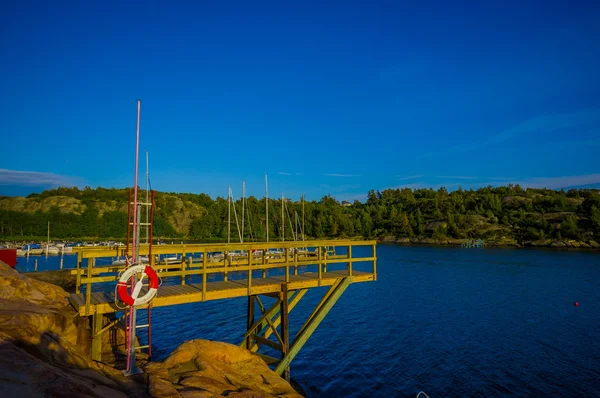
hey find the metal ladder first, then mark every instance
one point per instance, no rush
(130, 236)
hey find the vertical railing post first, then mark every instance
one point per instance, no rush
(350, 260)
(204, 260)
(295, 261)
(225, 261)
(182, 268)
(325, 260)
(88, 285)
(287, 265)
(250, 274)
(78, 278)
(264, 262)
(374, 261)
(319, 273)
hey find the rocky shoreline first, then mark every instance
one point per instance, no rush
(548, 243)
(45, 346)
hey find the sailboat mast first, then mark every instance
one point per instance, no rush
(303, 217)
(229, 215)
(267, 203)
(147, 199)
(282, 220)
(243, 208)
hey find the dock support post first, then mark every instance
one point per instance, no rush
(313, 321)
(285, 331)
(96, 353)
(250, 323)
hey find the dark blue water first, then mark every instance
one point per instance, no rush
(448, 321)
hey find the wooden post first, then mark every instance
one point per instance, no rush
(88, 285)
(96, 353)
(225, 261)
(264, 262)
(319, 273)
(285, 332)
(204, 260)
(35, 266)
(287, 265)
(295, 261)
(325, 260)
(78, 279)
(374, 261)
(249, 271)
(350, 260)
(250, 323)
(182, 269)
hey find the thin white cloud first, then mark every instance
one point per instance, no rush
(544, 123)
(458, 177)
(341, 175)
(281, 173)
(35, 178)
(402, 178)
(559, 182)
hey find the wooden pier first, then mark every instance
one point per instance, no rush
(283, 271)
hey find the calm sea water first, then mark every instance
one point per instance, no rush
(447, 321)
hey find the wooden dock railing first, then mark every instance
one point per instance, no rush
(220, 260)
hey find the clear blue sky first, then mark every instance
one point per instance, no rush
(326, 97)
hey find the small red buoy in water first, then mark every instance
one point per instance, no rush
(576, 304)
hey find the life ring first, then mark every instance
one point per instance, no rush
(133, 299)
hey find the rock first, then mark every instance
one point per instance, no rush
(558, 244)
(16, 286)
(593, 244)
(26, 375)
(210, 368)
(62, 278)
(44, 344)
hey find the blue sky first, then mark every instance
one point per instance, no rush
(326, 97)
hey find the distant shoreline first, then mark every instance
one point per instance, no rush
(549, 244)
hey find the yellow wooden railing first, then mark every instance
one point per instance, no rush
(225, 258)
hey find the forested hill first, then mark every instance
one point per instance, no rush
(503, 214)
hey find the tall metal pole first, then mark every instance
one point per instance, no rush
(134, 249)
(243, 207)
(135, 182)
(282, 221)
(267, 203)
(147, 199)
(48, 242)
(229, 215)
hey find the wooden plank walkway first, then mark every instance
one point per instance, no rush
(104, 302)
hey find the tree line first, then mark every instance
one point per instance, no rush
(488, 213)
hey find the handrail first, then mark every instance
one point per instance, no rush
(217, 259)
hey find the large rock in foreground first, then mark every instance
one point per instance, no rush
(202, 368)
(44, 345)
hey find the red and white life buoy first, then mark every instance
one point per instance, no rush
(133, 299)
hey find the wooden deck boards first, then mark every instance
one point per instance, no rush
(103, 302)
